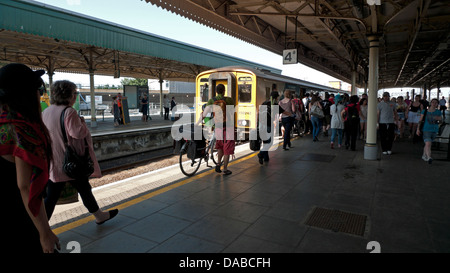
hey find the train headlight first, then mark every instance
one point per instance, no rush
(243, 122)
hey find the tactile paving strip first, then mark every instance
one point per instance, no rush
(337, 221)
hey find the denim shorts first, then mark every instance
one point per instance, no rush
(429, 136)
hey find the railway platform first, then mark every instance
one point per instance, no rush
(310, 199)
(106, 125)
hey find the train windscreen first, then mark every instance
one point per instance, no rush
(245, 92)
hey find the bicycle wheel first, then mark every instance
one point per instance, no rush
(213, 152)
(188, 166)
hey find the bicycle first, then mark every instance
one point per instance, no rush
(190, 159)
(299, 127)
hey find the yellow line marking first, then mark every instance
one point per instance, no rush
(139, 199)
(132, 202)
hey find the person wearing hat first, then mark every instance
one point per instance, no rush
(336, 123)
(386, 117)
(25, 156)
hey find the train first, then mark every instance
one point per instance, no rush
(249, 88)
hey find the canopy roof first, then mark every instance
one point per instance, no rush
(44, 36)
(332, 36)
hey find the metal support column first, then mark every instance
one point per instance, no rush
(92, 89)
(354, 92)
(161, 96)
(370, 148)
(50, 71)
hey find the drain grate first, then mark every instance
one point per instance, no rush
(317, 157)
(337, 221)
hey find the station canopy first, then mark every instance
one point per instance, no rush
(332, 36)
(57, 40)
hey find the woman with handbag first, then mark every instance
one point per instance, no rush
(63, 96)
(25, 154)
(287, 118)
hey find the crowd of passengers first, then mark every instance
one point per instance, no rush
(342, 119)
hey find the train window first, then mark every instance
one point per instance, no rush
(245, 92)
(204, 92)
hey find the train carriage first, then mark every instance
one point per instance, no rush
(249, 88)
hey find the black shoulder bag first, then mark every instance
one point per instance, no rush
(74, 165)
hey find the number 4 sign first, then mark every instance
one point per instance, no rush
(290, 56)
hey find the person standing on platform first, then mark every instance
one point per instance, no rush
(287, 119)
(225, 135)
(443, 106)
(166, 107)
(315, 120)
(350, 115)
(401, 112)
(363, 118)
(413, 114)
(337, 123)
(308, 126)
(172, 105)
(144, 105)
(432, 117)
(25, 154)
(386, 116)
(63, 95)
(119, 103)
(116, 111)
(326, 104)
(272, 118)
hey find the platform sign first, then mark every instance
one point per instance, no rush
(290, 56)
(125, 113)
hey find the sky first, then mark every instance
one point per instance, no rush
(144, 16)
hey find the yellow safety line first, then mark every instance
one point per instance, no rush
(127, 204)
(87, 219)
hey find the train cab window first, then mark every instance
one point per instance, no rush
(245, 92)
(204, 89)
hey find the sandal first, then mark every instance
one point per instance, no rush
(112, 214)
(218, 169)
(227, 172)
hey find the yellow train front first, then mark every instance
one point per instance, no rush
(248, 88)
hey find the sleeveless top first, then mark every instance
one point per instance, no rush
(414, 108)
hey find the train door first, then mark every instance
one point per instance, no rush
(215, 83)
(228, 79)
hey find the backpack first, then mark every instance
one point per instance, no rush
(326, 106)
(352, 114)
(220, 116)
